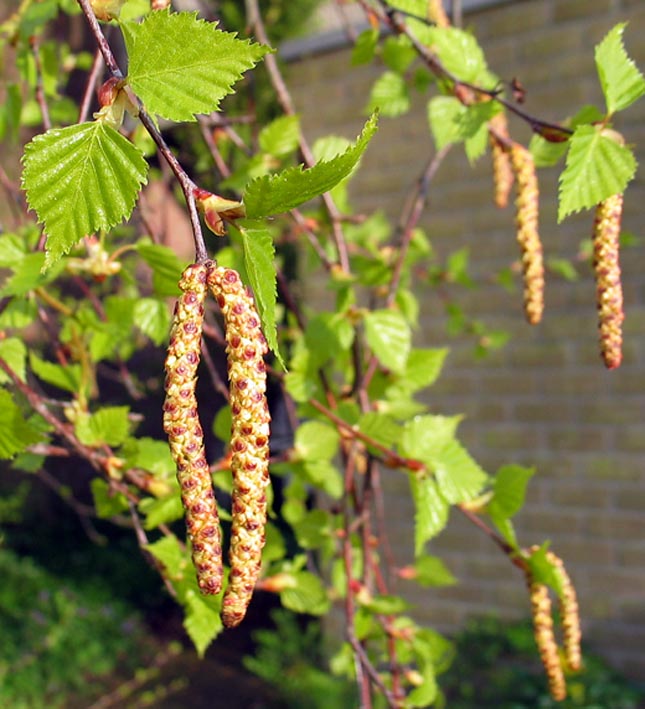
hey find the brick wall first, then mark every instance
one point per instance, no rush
(544, 400)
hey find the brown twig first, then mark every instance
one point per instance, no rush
(98, 65)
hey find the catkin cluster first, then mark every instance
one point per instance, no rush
(527, 232)
(185, 435)
(609, 292)
(543, 626)
(246, 347)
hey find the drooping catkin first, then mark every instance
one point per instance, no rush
(527, 232)
(569, 614)
(545, 638)
(245, 348)
(503, 176)
(609, 292)
(185, 435)
(437, 13)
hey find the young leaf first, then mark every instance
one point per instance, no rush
(431, 511)
(152, 317)
(14, 353)
(273, 194)
(388, 335)
(260, 268)
(444, 114)
(431, 571)
(459, 52)
(281, 136)
(107, 426)
(28, 274)
(622, 83)
(15, 433)
(180, 65)
(106, 502)
(509, 490)
(202, 621)
(459, 477)
(67, 378)
(81, 179)
(365, 46)
(166, 268)
(315, 440)
(389, 95)
(305, 594)
(597, 167)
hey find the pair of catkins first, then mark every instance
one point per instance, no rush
(245, 348)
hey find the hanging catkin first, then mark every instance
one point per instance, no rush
(527, 232)
(245, 347)
(503, 176)
(185, 435)
(609, 292)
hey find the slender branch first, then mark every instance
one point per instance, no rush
(40, 90)
(98, 66)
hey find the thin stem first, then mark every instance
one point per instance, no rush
(40, 90)
(97, 68)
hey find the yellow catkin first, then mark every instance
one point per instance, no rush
(185, 435)
(503, 176)
(245, 348)
(527, 232)
(609, 292)
(545, 638)
(569, 615)
(437, 13)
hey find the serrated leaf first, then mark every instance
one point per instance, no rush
(323, 475)
(327, 335)
(149, 454)
(166, 268)
(432, 571)
(458, 51)
(16, 434)
(389, 336)
(365, 47)
(273, 194)
(202, 621)
(67, 378)
(306, 594)
(107, 503)
(389, 95)
(14, 353)
(444, 113)
(380, 427)
(108, 426)
(180, 65)
(315, 440)
(509, 490)
(79, 180)
(152, 317)
(622, 83)
(597, 167)
(423, 368)
(28, 275)
(460, 478)
(257, 243)
(430, 510)
(424, 437)
(161, 511)
(169, 552)
(281, 136)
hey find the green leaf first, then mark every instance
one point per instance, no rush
(398, 53)
(152, 317)
(108, 426)
(365, 47)
(281, 136)
(14, 353)
(257, 243)
(431, 571)
(67, 378)
(202, 621)
(106, 502)
(431, 510)
(79, 180)
(386, 605)
(621, 81)
(315, 440)
(425, 694)
(149, 454)
(180, 66)
(459, 477)
(161, 511)
(545, 153)
(444, 113)
(423, 368)
(166, 268)
(509, 490)
(597, 167)
(313, 529)
(168, 551)
(389, 95)
(306, 594)
(389, 337)
(28, 275)
(323, 475)
(424, 437)
(459, 52)
(16, 434)
(328, 335)
(273, 194)
(380, 427)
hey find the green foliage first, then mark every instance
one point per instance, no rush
(59, 643)
(79, 180)
(498, 666)
(179, 84)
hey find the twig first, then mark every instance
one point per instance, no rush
(40, 91)
(97, 67)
